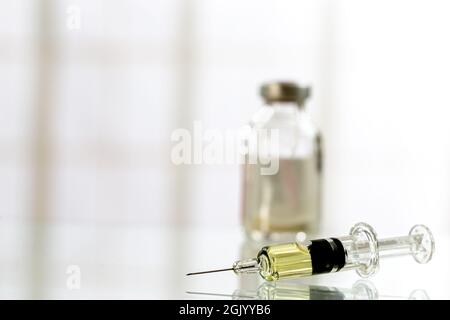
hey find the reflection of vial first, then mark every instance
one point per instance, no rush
(278, 205)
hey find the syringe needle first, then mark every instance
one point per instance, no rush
(360, 250)
(209, 271)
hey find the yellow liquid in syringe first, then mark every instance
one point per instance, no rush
(285, 261)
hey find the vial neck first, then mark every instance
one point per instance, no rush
(289, 110)
(286, 106)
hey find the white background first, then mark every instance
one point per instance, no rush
(110, 93)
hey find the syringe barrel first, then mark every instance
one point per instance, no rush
(396, 246)
(360, 253)
(363, 249)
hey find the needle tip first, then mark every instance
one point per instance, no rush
(209, 271)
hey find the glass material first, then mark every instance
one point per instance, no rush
(360, 251)
(277, 206)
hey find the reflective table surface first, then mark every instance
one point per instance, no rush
(81, 261)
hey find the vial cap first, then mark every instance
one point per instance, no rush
(284, 92)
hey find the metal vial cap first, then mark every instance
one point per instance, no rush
(284, 92)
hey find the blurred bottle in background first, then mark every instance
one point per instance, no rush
(278, 206)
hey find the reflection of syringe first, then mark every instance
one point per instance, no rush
(361, 290)
(361, 250)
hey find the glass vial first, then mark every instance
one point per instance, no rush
(277, 204)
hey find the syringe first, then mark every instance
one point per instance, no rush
(360, 251)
